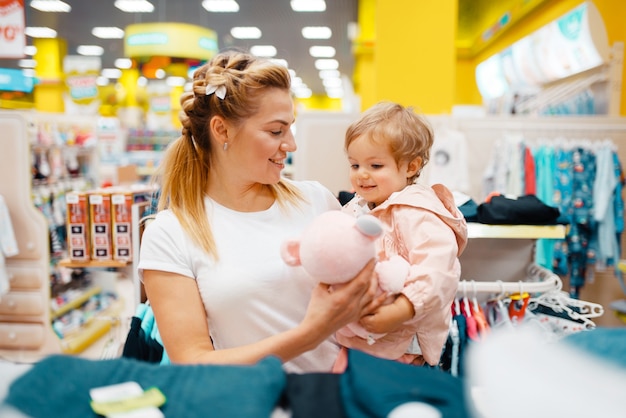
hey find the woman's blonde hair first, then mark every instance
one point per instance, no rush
(184, 173)
(407, 134)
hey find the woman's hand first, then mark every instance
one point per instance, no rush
(333, 307)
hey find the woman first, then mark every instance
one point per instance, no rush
(210, 261)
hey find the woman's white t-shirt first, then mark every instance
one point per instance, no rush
(250, 293)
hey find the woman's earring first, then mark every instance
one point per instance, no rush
(225, 146)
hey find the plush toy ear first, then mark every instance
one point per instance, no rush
(369, 225)
(290, 252)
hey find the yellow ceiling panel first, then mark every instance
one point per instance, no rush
(482, 21)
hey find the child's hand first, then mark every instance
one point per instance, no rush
(389, 317)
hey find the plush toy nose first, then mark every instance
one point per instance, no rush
(369, 225)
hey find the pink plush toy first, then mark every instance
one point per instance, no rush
(336, 246)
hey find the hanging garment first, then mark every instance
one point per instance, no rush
(448, 160)
(143, 341)
(582, 251)
(8, 245)
(544, 177)
(530, 180)
(604, 188)
(471, 325)
(482, 324)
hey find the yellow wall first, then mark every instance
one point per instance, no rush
(466, 89)
(413, 54)
(48, 93)
(364, 77)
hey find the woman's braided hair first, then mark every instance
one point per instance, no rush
(184, 173)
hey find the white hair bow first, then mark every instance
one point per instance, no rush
(219, 91)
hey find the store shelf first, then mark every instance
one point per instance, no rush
(76, 302)
(88, 334)
(92, 330)
(93, 263)
(479, 230)
(146, 171)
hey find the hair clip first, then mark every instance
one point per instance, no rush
(219, 91)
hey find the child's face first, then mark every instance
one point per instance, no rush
(374, 174)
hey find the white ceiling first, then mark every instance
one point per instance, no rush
(280, 26)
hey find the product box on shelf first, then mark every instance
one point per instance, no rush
(100, 221)
(122, 200)
(78, 236)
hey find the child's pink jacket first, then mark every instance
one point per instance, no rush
(423, 225)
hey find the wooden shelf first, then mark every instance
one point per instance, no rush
(75, 303)
(86, 336)
(478, 230)
(93, 263)
(92, 330)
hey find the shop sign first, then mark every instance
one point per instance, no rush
(163, 39)
(12, 37)
(82, 87)
(160, 104)
(15, 80)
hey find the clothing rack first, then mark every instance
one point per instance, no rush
(540, 280)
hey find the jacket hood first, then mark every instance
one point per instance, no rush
(437, 199)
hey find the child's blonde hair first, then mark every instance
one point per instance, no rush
(408, 135)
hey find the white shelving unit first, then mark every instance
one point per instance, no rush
(503, 252)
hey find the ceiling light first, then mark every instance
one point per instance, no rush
(102, 81)
(107, 32)
(329, 74)
(303, 93)
(27, 63)
(123, 63)
(334, 93)
(40, 32)
(263, 50)
(134, 6)
(30, 50)
(326, 64)
(331, 82)
(174, 81)
(322, 51)
(246, 32)
(308, 5)
(90, 50)
(353, 30)
(54, 6)
(111, 73)
(221, 6)
(317, 32)
(280, 61)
